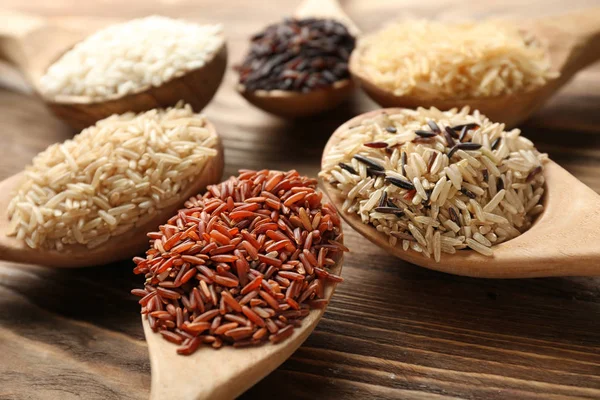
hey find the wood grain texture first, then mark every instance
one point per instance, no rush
(393, 330)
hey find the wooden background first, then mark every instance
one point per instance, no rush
(393, 330)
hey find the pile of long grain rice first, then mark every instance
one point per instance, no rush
(436, 60)
(128, 57)
(438, 181)
(109, 178)
(242, 264)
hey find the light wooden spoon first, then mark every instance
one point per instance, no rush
(563, 241)
(117, 248)
(32, 44)
(224, 373)
(574, 43)
(292, 104)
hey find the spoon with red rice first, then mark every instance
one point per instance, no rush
(247, 268)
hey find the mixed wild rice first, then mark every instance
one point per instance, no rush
(242, 264)
(437, 181)
(110, 177)
(440, 60)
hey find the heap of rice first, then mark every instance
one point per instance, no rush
(109, 178)
(435, 60)
(128, 57)
(438, 181)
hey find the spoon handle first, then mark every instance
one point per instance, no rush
(564, 240)
(326, 9)
(575, 37)
(14, 27)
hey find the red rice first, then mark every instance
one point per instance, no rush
(242, 264)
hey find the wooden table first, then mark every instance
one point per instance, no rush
(393, 330)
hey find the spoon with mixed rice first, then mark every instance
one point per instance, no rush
(456, 192)
(138, 65)
(505, 69)
(92, 199)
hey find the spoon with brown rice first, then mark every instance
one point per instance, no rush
(455, 192)
(138, 65)
(92, 199)
(505, 69)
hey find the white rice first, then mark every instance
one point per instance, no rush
(444, 217)
(440, 60)
(129, 57)
(109, 178)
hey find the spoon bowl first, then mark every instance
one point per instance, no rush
(561, 242)
(573, 43)
(117, 247)
(224, 373)
(290, 104)
(22, 37)
(195, 87)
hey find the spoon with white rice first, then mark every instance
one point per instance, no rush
(137, 65)
(505, 69)
(454, 192)
(92, 199)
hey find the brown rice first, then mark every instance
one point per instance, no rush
(109, 178)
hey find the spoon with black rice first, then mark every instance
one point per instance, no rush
(299, 67)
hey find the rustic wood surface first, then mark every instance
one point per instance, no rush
(393, 330)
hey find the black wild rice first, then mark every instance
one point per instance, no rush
(425, 134)
(454, 215)
(369, 162)
(468, 193)
(468, 127)
(434, 127)
(451, 132)
(496, 143)
(463, 134)
(499, 184)
(242, 264)
(384, 199)
(297, 55)
(375, 172)
(400, 183)
(463, 146)
(348, 168)
(390, 210)
(448, 136)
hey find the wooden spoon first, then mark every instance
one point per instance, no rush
(563, 241)
(24, 43)
(574, 43)
(224, 373)
(119, 247)
(292, 104)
